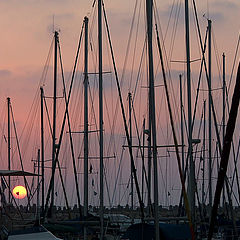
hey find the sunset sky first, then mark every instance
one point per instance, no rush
(27, 31)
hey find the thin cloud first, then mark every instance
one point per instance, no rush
(5, 73)
(224, 5)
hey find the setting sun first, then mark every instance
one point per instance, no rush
(19, 192)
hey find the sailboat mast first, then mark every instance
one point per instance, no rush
(38, 187)
(191, 182)
(224, 94)
(149, 12)
(9, 148)
(100, 112)
(143, 162)
(182, 123)
(223, 114)
(209, 110)
(86, 125)
(42, 149)
(54, 110)
(149, 187)
(130, 132)
(204, 148)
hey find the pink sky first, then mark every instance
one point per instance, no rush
(26, 33)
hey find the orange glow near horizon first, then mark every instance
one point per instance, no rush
(19, 192)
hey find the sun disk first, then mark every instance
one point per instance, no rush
(19, 192)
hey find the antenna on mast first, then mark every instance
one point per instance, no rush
(53, 29)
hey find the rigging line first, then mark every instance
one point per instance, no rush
(92, 110)
(227, 183)
(237, 155)
(34, 171)
(126, 189)
(112, 132)
(187, 158)
(205, 66)
(62, 164)
(198, 136)
(227, 101)
(139, 69)
(76, 98)
(42, 81)
(225, 153)
(126, 57)
(48, 117)
(235, 169)
(234, 63)
(216, 54)
(124, 119)
(227, 180)
(129, 42)
(199, 129)
(111, 141)
(175, 139)
(170, 17)
(235, 173)
(19, 153)
(174, 101)
(36, 135)
(30, 130)
(63, 125)
(199, 81)
(233, 193)
(211, 99)
(164, 180)
(125, 61)
(6, 183)
(118, 172)
(70, 135)
(104, 167)
(26, 143)
(141, 151)
(196, 32)
(135, 46)
(174, 30)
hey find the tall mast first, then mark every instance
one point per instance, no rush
(38, 187)
(86, 125)
(209, 111)
(204, 148)
(143, 162)
(182, 123)
(9, 148)
(149, 183)
(54, 110)
(100, 112)
(149, 11)
(130, 132)
(228, 138)
(224, 94)
(42, 149)
(191, 182)
(224, 109)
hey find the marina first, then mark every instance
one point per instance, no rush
(148, 150)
